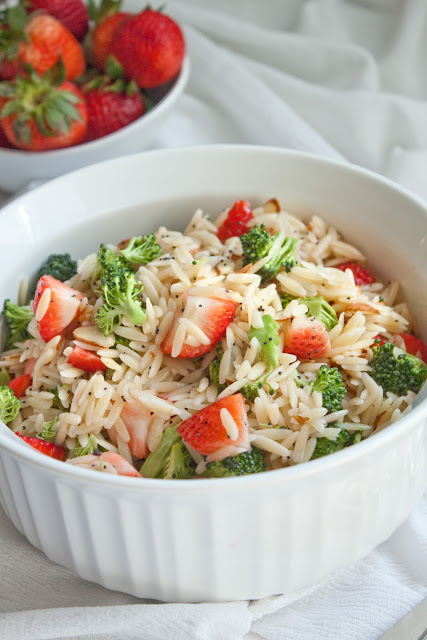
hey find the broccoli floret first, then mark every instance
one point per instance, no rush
(214, 368)
(56, 401)
(88, 449)
(120, 291)
(241, 465)
(17, 320)
(317, 307)
(9, 405)
(257, 243)
(4, 377)
(397, 371)
(324, 446)
(268, 337)
(49, 432)
(167, 461)
(330, 384)
(285, 299)
(179, 463)
(58, 265)
(142, 250)
(120, 340)
(251, 390)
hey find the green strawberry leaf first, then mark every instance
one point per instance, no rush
(7, 90)
(17, 18)
(55, 76)
(11, 107)
(113, 68)
(22, 129)
(41, 126)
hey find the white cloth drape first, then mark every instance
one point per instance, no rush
(344, 79)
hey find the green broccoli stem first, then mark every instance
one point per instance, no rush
(156, 460)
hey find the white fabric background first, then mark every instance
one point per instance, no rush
(344, 79)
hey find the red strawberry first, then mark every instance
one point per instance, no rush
(38, 40)
(62, 310)
(137, 419)
(103, 36)
(111, 105)
(29, 366)
(306, 338)
(361, 275)
(235, 223)
(43, 112)
(20, 384)
(121, 465)
(205, 432)
(48, 448)
(150, 47)
(415, 346)
(4, 142)
(86, 360)
(210, 314)
(73, 14)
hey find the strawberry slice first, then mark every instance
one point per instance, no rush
(29, 366)
(306, 338)
(137, 419)
(121, 465)
(86, 360)
(360, 274)
(210, 314)
(235, 223)
(205, 432)
(48, 448)
(414, 346)
(20, 384)
(62, 309)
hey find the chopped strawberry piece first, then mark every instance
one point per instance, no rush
(306, 338)
(210, 314)
(414, 346)
(360, 274)
(122, 466)
(235, 223)
(29, 366)
(137, 419)
(86, 360)
(62, 309)
(205, 432)
(48, 448)
(20, 384)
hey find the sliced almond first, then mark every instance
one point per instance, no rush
(93, 335)
(272, 206)
(123, 244)
(361, 306)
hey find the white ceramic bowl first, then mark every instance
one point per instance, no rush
(232, 538)
(18, 168)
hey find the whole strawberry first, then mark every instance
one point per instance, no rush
(150, 47)
(111, 104)
(43, 112)
(107, 17)
(72, 13)
(38, 40)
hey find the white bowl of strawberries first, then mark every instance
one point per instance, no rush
(76, 89)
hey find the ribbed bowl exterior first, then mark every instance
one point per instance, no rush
(236, 541)
(231, 538)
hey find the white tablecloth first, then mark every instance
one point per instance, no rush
(344, 79)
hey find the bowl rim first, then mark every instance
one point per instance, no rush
(408, 422)
(93, 145)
